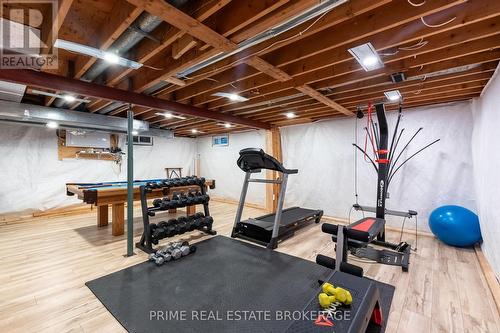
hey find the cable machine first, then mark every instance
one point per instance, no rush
(356, 236)
(374, 134)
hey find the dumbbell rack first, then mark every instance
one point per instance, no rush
(146, 242)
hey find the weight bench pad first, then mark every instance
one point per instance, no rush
(366, 229)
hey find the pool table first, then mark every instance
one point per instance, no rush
(115, 194)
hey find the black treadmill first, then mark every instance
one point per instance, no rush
(269, 229)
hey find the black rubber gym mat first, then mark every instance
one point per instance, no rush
(225, 280)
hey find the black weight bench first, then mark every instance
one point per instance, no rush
(356, 238)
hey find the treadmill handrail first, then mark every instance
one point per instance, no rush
(253, 159)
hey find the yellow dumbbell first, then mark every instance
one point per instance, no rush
(325, 301)
(341, 295)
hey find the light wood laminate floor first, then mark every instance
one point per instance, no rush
(45, 263)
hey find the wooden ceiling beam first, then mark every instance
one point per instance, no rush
(321, 115)
(98, 105)
(382, 81)
(412, 92)
(147, 49)
(62, 11)
(183, 21)
(280, 75)
(323, 99)
(416, 70)
(314, 114)
(182, 45)
(146, 79)
(284, 106)
(389, 107)
(266, 68)
(418, 98)
(365, 25)
(387, 43)
(412, 32)
(339, 15)
(473, 74)
(51, 81)
(490, 64)
(416, 85)
(377, 94)
(240, 14)
(424, 56)
(348, 72)
(421, 103)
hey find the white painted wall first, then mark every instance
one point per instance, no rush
(441, 175)
(486, 158)
(32, 177)
(324, 155)
(219, 163)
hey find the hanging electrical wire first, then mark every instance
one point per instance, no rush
(416, 4)
(421, 43)
(437, 25)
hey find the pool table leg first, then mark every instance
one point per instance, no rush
(118, 219)
(190, 210)
(102, 216)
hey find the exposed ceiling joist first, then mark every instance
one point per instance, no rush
(182, 21)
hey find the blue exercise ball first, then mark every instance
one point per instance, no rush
(455, 225)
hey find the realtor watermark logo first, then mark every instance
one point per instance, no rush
(28, 31)
(322, 318)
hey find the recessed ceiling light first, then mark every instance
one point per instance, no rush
(135, 133)
(111, 58)
(290, 115)
(194, 131)
(52, 124)
(96, 53)
(393, 95)
(367, 57)
(370, 61)
(232, 96)
(169, 115)
(228, 125)
(69, 98)
(66, 97)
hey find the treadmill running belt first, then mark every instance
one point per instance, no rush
(290, 215)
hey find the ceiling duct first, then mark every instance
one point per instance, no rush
(11, 91)
(36, 115)
(321, 8)
(138, 30)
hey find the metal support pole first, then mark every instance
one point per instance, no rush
(241, 205)
(273, 243)
(130, 183)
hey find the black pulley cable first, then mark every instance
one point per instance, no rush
(404, 148)
(356, 159)
(399, 167)
(366, 155)
(395, 132)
